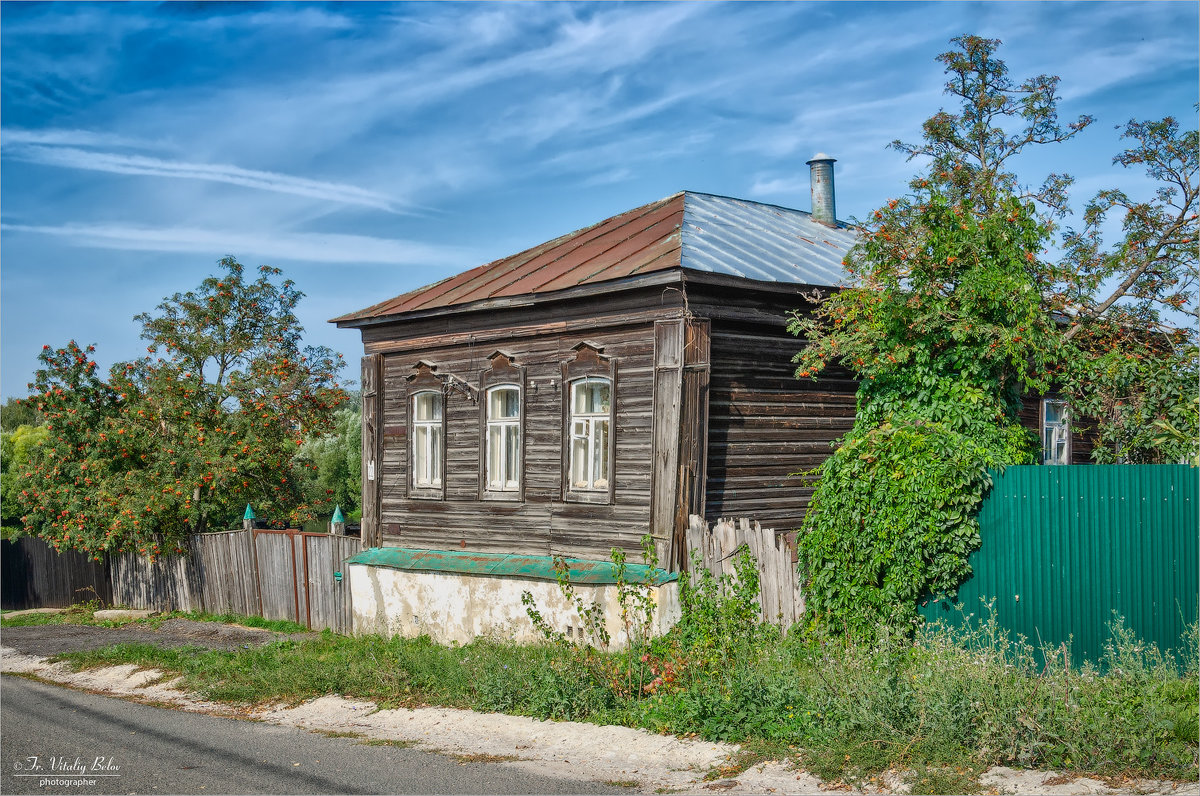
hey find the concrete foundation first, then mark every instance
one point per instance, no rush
(459, 607)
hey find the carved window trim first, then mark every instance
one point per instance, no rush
(424, 380)
(589, 362)
(502, 373)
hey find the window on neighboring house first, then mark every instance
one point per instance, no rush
(1056, 432)
(503, 430)
(428, 440)
(590, 464)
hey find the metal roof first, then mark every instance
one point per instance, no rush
(695, 231)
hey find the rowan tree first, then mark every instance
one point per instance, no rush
(1132, 307)
(179, 441)
(956, 307)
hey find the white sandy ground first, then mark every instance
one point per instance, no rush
(657, 763)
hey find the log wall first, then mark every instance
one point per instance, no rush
(542, 522)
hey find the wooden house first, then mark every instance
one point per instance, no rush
(605, 385)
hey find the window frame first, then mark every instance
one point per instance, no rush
(424, 381)
(1061, 426)
(502, 374)
(589, 362)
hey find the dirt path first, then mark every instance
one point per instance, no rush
(656, 763)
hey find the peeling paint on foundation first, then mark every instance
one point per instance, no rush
(459, 607)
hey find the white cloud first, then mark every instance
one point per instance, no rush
(90, 160)
(302, 246)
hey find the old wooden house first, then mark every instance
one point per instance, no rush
(604, 385)
(599, 387)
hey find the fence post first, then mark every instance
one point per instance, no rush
(337, 525)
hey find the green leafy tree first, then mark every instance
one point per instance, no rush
(17, 450)
(181, 440)
(956, 308)
(945, 325)
(18, 412)
(329, 465)
(1133, 306)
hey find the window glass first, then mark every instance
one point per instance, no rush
(503, 439)
(427, 440)
(590, 423)
(1056, 432)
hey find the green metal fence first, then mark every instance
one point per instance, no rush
(1064, 547)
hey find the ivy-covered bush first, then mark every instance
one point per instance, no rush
(868, 567)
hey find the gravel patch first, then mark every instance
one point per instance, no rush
(47, 640)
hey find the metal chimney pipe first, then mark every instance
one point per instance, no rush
(824, 208)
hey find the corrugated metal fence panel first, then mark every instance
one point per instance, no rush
(1063, 548)
(33, 575)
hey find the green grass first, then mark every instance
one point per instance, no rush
(943, 707)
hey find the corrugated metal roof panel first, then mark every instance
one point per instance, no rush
(764, 242)
(696, 231)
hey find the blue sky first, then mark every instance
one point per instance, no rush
(368, 149)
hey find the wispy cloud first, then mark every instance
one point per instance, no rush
(91, 160)
(300, 246)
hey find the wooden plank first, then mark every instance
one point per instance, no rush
(665, 475)
(372, 445)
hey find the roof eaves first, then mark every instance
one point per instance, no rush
(664, 276)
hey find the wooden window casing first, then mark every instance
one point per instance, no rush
(424, 433)
(588, 366)
(502, 375)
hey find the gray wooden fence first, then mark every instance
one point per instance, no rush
(273, 574)
(781, 600)
(33, 575)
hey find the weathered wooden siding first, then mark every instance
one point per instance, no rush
(1083, 432)
(542, 523)
(226, 572)
(765, 426)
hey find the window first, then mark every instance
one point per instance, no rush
(426, 433)
(588, 449)
(1056, 432)
(503, 439)
(427, 440)
(591, 426)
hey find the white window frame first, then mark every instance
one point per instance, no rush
(428, 457)
(509, 483)
(1056, 434)
(588, 422)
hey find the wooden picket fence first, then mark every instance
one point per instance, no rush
(273, 574)
(781, 600)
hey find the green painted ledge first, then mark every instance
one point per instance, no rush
(504, 565)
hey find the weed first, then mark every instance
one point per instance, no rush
(464, 759)
(395, 743)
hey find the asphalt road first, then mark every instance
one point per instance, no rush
(56, 740)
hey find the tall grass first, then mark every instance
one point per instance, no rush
(949, 700)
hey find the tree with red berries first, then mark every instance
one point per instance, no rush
(179, 441)
(958, 307)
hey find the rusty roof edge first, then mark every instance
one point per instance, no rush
(664, 276)
(532, 251)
